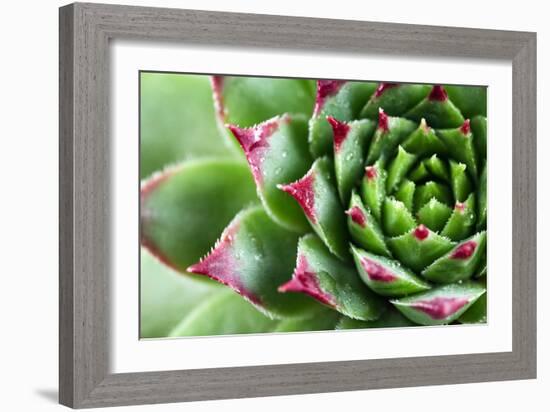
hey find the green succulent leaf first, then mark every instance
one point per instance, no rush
(399, 167)
(459, 141)
(386, 277)
(419, 173)
(434, 214)
(459, 263)
(339, 99)
(364, 229)
(185, 208)
(424, 141)
(396, 218)
(350, 142)
(419, 247)
(326, 278)
(317, 196)
(405, 194)
(462, 221)
(437, 168)
(373, 188)
(460, 182)
(441, 305)
(277, 153)
(391, 131)
(432, 190)
(438, 111)
(253, 257)
(394, 98)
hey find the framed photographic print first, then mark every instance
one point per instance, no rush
(257, 205)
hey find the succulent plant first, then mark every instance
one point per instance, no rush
(345, 205)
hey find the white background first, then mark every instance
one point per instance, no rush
(129, 354)
(28, 150)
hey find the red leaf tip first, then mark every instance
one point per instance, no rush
(377, 272)
(465, 128)
(304, 280)
(440, 307)
(383, 120)
(438, 94)
(421, 232)
(465, 250)
(254, 141)
(222, 266)
(340, 131)
(303, 191)
(371, 172)
(326, 89)
(357, 215)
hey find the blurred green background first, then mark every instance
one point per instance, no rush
(177, 123)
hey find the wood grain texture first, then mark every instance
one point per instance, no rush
(85, 31)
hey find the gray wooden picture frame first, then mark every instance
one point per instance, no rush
(85, 32)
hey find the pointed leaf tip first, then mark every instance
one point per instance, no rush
(302, 190)
(254, 257)
(421, 232)
(221, 265)
(383, 120)
(322, 276)
(371, 172)
(326, 89)
(357, 215)
(340, 131)
(252, 138)
(465, 128)
(460, 262)
(184, 208)
(253, 141)
(424, 125)
(304, 280)
(438, 93)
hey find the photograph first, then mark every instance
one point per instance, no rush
(279, 205)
